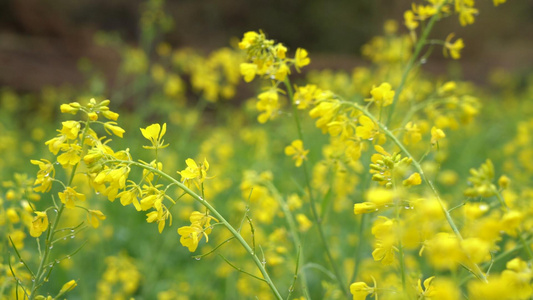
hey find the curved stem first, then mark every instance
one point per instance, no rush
(215, 213)
(314, 212)
(477, 271)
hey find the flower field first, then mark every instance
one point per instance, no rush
(245, 173)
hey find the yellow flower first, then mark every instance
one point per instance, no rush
(194, 172)
(154, 133)
(12, 215)
(174, 86)
(248, 40)
(301, 59)
(114, 128)
(69, 195)
(297, 151)
(382, 95)
(129, 196)
(367, 130)
(71, 156)
(466, 15)
(436, 135)
(268, 104)
(414, 179)
(282, 72)
(360, 290)
(55, 144)
(384, 248)
(248, 71)
(200, 226)
(39, 224)
(160, 216)
(444, 251)
(410, 21)
(428, 290)
(280, 51)
(95, 216)
(454, 48)
(424, 11)
(45, 175)
(304, 222)
(190, 236)
(71, 129)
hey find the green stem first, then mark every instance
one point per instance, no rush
(295, 235)
(418, 47)
(316, 217)
(215, 213)
(400, 233)
(409, 115)
(362, 227)
(38, 280)
(477, 271)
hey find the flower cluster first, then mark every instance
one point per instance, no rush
(200, 227)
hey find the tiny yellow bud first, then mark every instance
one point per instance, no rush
(68, 108)
(12, 215)
(110, 115)
(504, 182)
(93, 116)
(365, 207)
(69, 286)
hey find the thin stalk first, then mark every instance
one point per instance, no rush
(52, 229)
(295, 235)
(418, 47)
(215, 213)
(496, 260)
(477, 271)
(316, 217)
(362, 227)
(400, 233)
